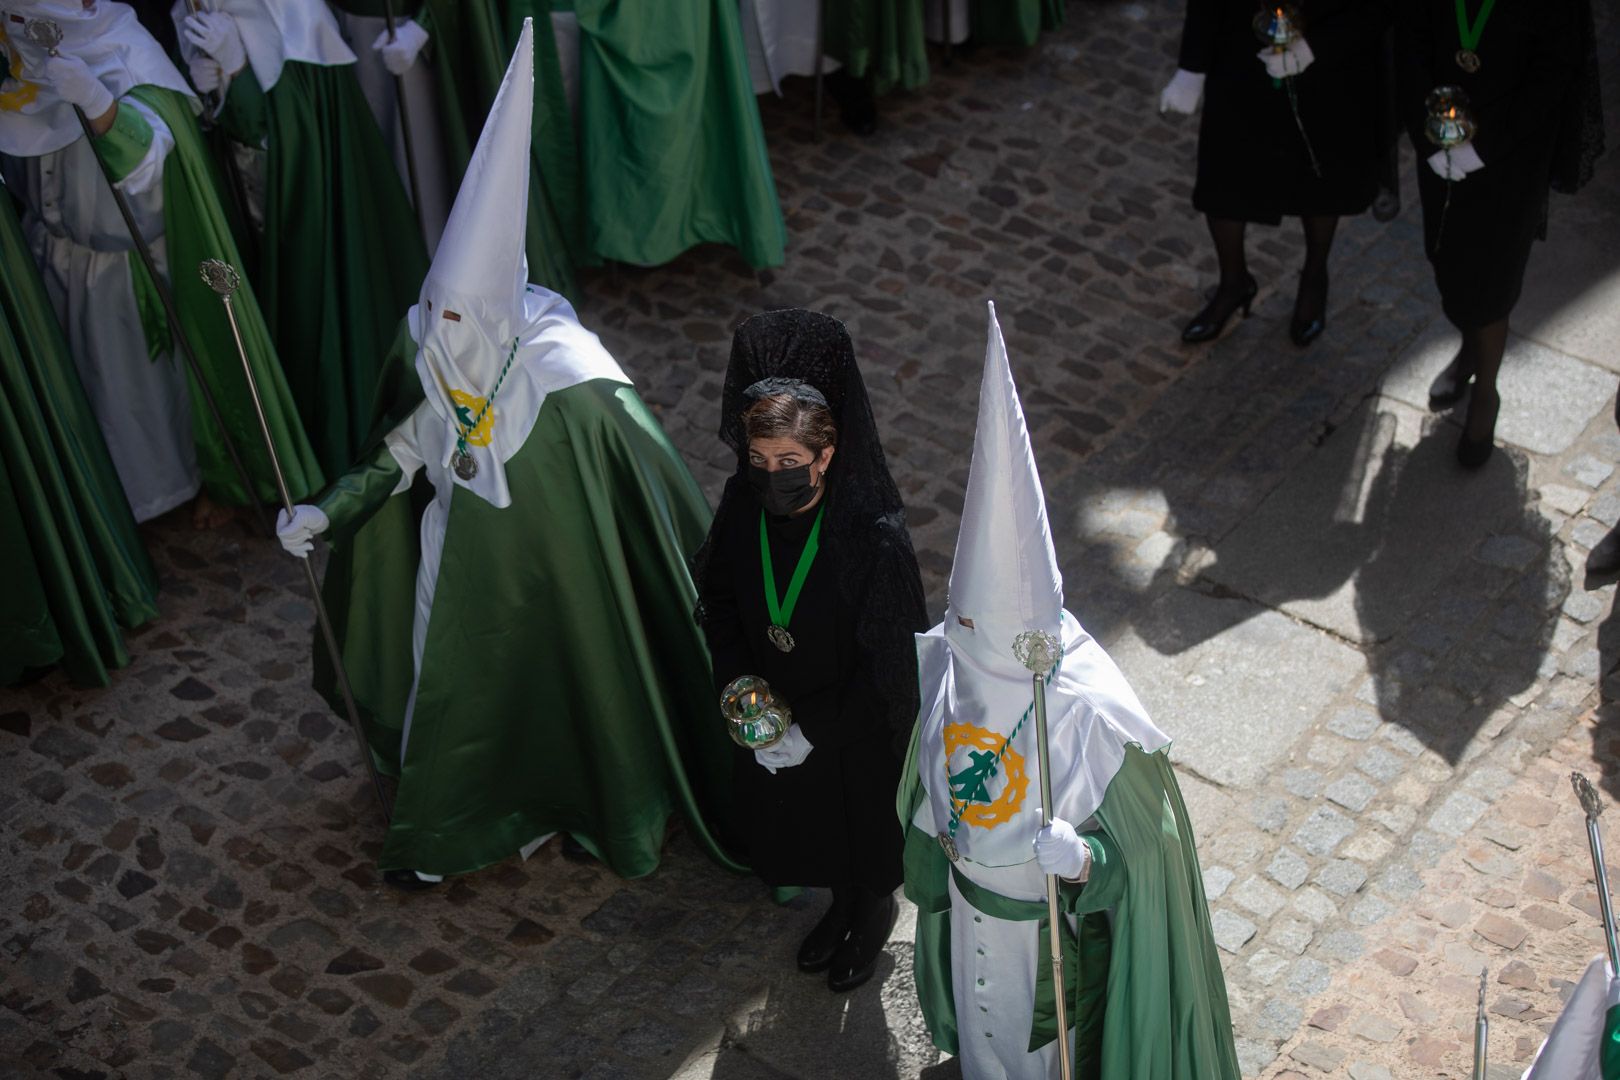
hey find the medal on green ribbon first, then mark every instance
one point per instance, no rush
(781, 611)
(1468, 33)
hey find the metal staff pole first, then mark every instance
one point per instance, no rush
(1593, 806)
(47, 34)
(1039, 651)
(223, 279)
(1482, 1030)
(404, 120)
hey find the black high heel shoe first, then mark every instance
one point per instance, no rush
(1208, 323)
(1474, 453)
(821, 944)
(1450, 385)
(1310, 310)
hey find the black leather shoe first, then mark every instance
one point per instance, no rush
(1208, 323)
(1310, 310)
(407, 881)
(820, 945)
(1473, 453)
(1450, 385)
(857, 957)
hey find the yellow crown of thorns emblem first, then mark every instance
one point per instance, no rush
(984, 761)
(467, 407)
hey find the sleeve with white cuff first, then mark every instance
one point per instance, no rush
(791, 751)
(1059, 850)
(1182, 93)
(298, 532)
(400, 53)
(1290, 61)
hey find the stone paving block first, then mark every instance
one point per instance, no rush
(1288, 869)
(1232, 931)
(1351, 792)
(1322, 831)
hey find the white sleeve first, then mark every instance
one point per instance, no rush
(403, 444)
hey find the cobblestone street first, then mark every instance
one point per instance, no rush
(1378, 670)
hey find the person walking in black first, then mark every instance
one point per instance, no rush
(1287, 131)
(808, 580)
(1527, 70)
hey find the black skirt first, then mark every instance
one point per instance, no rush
(1255, 155)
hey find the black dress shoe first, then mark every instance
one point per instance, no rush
(407, 881)
(1208, 323)
(857, 105)
(1604, 560)
(1310, 310)
(1450, 385)
(1473, 453)
(820, 945)
(857, 957)
(574, 851)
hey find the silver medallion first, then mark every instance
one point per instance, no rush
(780, 638)
(464, 463)
(949, 846)
(1468, 60)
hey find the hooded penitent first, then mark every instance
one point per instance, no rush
(1005, 581)
(518, 632)
(1144, 986)
(478, 320)
(33, 120)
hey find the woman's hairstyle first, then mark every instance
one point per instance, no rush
(788, 409)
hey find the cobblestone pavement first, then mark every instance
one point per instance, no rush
(1378, 671)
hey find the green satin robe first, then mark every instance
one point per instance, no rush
(565, 684)
(1164, 1011)
(883, 39)
(1014, 22)
(342, 258)
(196, 227)
(77, 570)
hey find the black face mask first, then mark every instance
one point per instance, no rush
(782, 492)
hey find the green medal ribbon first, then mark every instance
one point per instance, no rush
(1469, 32)
(781, 611)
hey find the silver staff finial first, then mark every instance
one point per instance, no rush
(1588, 795)
(1037, 650)
(46, 33)
(219, 276)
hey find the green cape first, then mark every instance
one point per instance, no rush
(342, 256)
(77, 569)
(196, 227)
(1165, 1014)
(1014, 22)
(565, 684)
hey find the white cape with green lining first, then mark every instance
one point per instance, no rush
(1574, 1049)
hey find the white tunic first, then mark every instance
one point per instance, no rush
(84, 251)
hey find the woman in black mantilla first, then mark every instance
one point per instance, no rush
(812, 489)
(1529, 70)
(1257, 163)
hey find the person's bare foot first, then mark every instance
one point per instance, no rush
(207, 515)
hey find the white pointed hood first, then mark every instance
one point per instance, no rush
(977, 697)
(1005, 579)
(34, 121)
(476, 303)
(276, 31)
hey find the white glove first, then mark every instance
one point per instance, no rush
(216, 34)
(297, 533)
(791, 751)
(1292, 60)
(206, 74)
(1060, 851)
(1456, 163)
(76, 84)
(398, 55)
(1182, 93)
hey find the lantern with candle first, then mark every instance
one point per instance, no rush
(1450, 123)
(1280, 26)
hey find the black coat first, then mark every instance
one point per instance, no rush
(830, 820)
(1529, 54)
(1253, 161)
